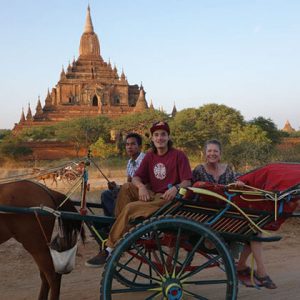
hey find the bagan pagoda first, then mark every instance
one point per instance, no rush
(287, 127)
(88, 87)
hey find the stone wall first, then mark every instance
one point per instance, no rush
(48, 150)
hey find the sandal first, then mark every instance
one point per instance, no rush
(244, 277)
(265, 281)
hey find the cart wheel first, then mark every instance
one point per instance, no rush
(163, 258)
(69, 177)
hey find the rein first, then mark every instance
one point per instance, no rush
(98, 168)
(41, 226)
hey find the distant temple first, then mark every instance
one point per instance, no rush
(88, 87)
(287, 127)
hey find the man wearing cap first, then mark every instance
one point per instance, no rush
(162, 172)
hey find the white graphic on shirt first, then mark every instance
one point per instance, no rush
(160, 171)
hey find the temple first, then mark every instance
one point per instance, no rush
(88, 87)
(287, 127)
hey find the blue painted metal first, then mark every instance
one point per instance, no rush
(63, 214)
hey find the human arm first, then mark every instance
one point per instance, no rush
(232, 178)
(198, 175)
(112, 185)
(184, 176)
(237, 184)
(140, 177)
(171, 193)
(143, 191)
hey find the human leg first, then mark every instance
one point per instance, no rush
(244, 272)
(256, 249)
(242, 263)
(121, 225)
(108, 202)
(130, 212)
(128, 193)
(261, 273)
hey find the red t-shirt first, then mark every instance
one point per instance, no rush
(160, 171)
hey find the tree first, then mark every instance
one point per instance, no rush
(192, 127)
(217, 121)
(139, 123)
(37, 133)
(12, 148)
(4, 133)
(84, 131)
(248, 146)
(269, 127)
(103, 149)
(184, 133)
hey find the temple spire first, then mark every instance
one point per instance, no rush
(39, 109)
(89, 44)
(123, 77)
(88, 27)
(29, 114)
(48, 101)
(116, 72)
(174, 110)
(141, 103)
(22, 119)
(151, 105)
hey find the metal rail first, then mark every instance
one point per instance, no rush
(47, 211)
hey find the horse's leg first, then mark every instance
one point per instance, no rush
(50, 279)
(54, 179)
(5, 233)
(44, 291)
(31, 237)
(45, 287)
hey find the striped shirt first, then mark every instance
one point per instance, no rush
(133, 164)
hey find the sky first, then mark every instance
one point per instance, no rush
(241, 53)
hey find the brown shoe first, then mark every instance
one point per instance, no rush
(97, 261)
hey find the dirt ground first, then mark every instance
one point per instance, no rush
(19, 277)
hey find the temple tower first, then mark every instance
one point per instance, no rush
(89, 86)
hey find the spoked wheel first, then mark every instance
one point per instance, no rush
(69, 177)
(170, 258)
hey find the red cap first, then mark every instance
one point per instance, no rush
(160, 125)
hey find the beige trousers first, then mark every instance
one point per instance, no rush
(129, 207)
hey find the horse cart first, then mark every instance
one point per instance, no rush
(185, 250)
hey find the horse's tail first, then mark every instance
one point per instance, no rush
(70, 227)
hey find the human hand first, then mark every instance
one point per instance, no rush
(201, 184)
(237, 184)
(144, 194)
(111, 185)
(170, 193)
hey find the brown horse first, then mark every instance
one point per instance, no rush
(26, 229)
(44, 176)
